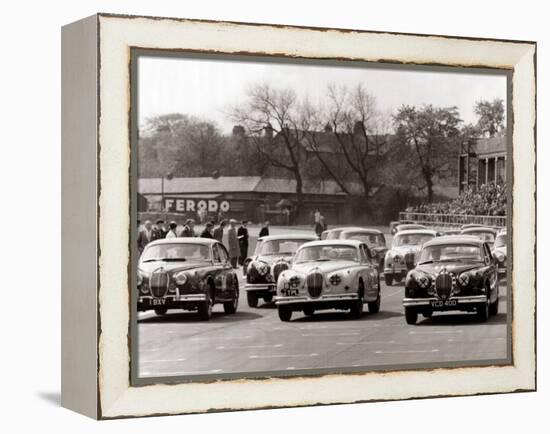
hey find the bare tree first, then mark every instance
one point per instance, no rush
(358, 133)
(275, 121)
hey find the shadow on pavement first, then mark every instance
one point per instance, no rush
(459, 319)
(345, 316)
(192, 317)
(52, 398)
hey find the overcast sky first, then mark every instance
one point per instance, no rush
(208, 88)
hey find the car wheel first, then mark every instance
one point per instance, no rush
(308, 311)
(483, 312)
(231, 306)
(205, 308)
(411, 315)
(161, 311)
(252, 299)
(284, 313)
(388, 278)
(374, 306)
(268, 298)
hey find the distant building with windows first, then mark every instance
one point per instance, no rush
(482, 161)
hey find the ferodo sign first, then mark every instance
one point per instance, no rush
(181, 204)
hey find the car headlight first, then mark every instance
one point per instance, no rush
(294, 282)
(423, 280)
(262, 268)
(181, 278)
(335, 279)
(501, 257)
(464, 279)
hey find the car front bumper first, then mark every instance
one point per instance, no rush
(327, 301)
(452, 303)
(172, 300)
(261, 287)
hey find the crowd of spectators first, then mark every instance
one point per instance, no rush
(488, 199)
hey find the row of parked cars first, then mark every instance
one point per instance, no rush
(341, 271)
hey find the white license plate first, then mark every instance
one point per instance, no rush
(158, 301)
(440, 303)
(291, 292)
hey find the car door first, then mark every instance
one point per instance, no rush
(491, 271)
(371, 289)
(226, 272)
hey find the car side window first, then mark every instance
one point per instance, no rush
(365, 256)
(224, 256)
(216, 253)
(488, 256)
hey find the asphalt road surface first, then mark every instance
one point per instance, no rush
(255, 340)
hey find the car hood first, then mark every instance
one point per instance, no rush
(149, 267)
(452, 267)
(323, 267)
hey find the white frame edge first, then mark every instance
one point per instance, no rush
(116, 36)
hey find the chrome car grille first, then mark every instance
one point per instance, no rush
(159, 283)
(278, 269)
(314, 284)
(444, 285)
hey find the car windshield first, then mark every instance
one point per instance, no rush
(279, 247)
(327, 253)
(500, 240)
(176, 252)
(411, 239)
(451, 252)
(372, 240)
(334, 234)
(486, 236)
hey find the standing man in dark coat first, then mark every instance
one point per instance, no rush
(218, 232)
(233, 243)
(264, 231)
(159, 232)
(242, 235)
(188, 230)
(207, 232)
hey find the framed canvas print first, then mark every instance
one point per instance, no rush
(262, 216)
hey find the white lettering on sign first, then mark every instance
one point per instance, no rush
(193, 205)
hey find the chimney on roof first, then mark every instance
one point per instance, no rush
(268, 131)
(358, 128)
(328, 128)
(238, 130)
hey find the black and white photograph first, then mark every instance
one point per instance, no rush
(298, 217)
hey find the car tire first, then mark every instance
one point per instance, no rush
(205, 310)
(388, 278)
(268, 298)
(285, 314)
(230, 307)
(308, 311)
(374, 306)
(482, 312)
(252, 299)
(160, 311)
(411, 316)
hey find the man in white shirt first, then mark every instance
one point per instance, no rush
(172, 231)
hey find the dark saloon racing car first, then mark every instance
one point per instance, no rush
(402, 255)
(483, 233)
(186, 273)
(272, 256)
(372, 238)
(452, 273)
(329, 274)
